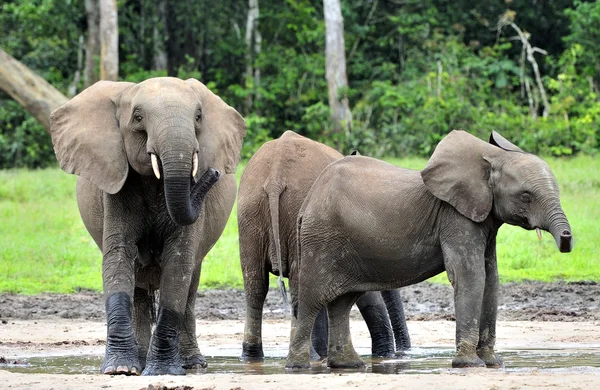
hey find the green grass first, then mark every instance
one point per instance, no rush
(45, 248)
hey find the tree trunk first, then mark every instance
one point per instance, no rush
(31, 91)
(335, 66)
(109, 40)
(253, 48)
(160, 36)
(92, 47)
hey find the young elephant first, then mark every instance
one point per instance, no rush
(368, 225)
(156, 163)
(272, 189)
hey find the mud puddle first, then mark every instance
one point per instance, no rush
(415, 361)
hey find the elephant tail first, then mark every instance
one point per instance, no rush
(274, 208)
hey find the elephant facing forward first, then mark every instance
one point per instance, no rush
(272, 189)
(156, 163)
(368, 225)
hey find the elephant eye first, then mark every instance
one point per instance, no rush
(525, 197)
(137, 118)
(198, 116)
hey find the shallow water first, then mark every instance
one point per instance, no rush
(415, 361)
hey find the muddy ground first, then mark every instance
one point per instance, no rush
(530, 301)
(562, 317)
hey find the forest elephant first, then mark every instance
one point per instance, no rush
(272, 189)
(156, 163)
(368, 225)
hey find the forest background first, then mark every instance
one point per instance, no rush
(415, 70)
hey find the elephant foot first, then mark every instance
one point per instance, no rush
(120, 365)
(158, 368)
(490, 358)
(297, 361)
(314, 355)
(359, 363)
(466, 361)
(194, 362)
(291, 365)
(252, 353)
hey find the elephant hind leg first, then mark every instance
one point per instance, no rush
(305, 312)
(341, 351)
(256, 287)
(144, 317)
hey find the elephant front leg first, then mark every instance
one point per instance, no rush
(121, 355)
(190, 352)
(164, 356)
(489, 312)
(374, 311)
(466, 273)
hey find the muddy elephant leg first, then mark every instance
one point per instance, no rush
(164, 354)
(489, 311)
(191, 356)
(395, 308)
(374, 312)
(118, 275)
(319, 336)
(143, 319)
(467, 274)
(341, 351)
(304, 313)
(256, 286)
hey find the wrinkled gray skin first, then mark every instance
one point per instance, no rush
(272, 189)
(363, 216)
(153, 233)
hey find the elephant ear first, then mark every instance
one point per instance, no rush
(223, 129)
(501, 142)
(86, 137)
(458, 173)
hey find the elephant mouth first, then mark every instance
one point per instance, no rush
(563, 238)
(156, 165)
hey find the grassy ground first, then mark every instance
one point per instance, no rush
(45, 248)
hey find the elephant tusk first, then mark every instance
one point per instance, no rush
(539, 233)
(155, 165)
(195, 164)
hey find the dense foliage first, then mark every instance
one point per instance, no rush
(416, 69)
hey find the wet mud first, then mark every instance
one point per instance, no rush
(529, 301)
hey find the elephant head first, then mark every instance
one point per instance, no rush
(164, 127)
(479, 178)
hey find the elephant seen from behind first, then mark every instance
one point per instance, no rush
(156, 163)
(368, 225)
(272, 189)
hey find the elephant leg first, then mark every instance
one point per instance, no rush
(489, 312)
(191, 356)
(164, 355)
(374, 312)
(143, 320)
(304, 313)
(319, 336)
(341, 351)
(466, 273)
(118, 274)
(256, 287)
(395, 308)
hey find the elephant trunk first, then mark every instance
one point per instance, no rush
(183, 195)
(561, 231)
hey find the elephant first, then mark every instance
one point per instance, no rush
(271, 191)
(156, 166)
(368, 225)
